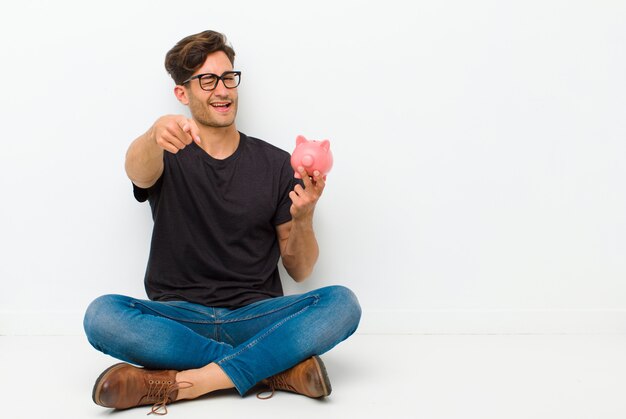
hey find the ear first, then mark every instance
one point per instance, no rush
(181, 94)
(326, 145)
(300, 139)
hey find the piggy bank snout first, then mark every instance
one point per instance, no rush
(312, 155)
(307, 160)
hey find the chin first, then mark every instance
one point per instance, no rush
(210, 121)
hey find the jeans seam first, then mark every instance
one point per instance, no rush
(315, 297)
(178, 319)
(217, 321)
(268, 332)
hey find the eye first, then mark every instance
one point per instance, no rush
(208, 80)
(231, 80)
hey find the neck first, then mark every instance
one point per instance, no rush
(219, 143)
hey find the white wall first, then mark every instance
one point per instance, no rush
(479, 146)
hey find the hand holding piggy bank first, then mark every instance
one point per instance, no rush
(312, 155)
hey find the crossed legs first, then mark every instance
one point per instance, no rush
(216, 348)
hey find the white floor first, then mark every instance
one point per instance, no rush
(415, 376)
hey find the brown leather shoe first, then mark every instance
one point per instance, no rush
(308, 378)
(123, 386)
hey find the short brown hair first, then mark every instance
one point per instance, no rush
(189, 54)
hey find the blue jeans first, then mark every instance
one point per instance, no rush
(249, 344)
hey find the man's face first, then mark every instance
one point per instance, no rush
(216, 108)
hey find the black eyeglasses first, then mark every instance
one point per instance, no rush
(208, 81)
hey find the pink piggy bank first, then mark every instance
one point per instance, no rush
(312, 155)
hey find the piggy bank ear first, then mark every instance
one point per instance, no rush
(300, 139)
(326, 145)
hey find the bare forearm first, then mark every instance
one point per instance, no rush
(301, 250)
(299, 247)
(144, 160)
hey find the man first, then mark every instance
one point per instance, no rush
(226, 208)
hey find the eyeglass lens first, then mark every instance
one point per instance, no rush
(209, 81)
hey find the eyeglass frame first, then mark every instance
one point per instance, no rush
(218, 78)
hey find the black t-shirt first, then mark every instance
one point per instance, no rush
(214, 240)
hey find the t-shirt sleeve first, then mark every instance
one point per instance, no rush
(287, 183)
(142, 194)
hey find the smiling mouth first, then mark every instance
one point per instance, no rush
(220, 106)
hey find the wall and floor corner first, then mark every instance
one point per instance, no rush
(478, 178)
(388, 322)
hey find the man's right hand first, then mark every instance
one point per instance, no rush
(174, 132)
(144, 158)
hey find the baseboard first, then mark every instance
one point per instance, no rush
(30, 323)
(494, 321)
(390, 322)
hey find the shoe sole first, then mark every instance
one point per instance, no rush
(321, 369)
(97, 387)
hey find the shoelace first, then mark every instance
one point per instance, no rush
(276, 382)
(160, 392)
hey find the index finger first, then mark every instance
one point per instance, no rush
(317, 181)
(191, 128)
(306, 179)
